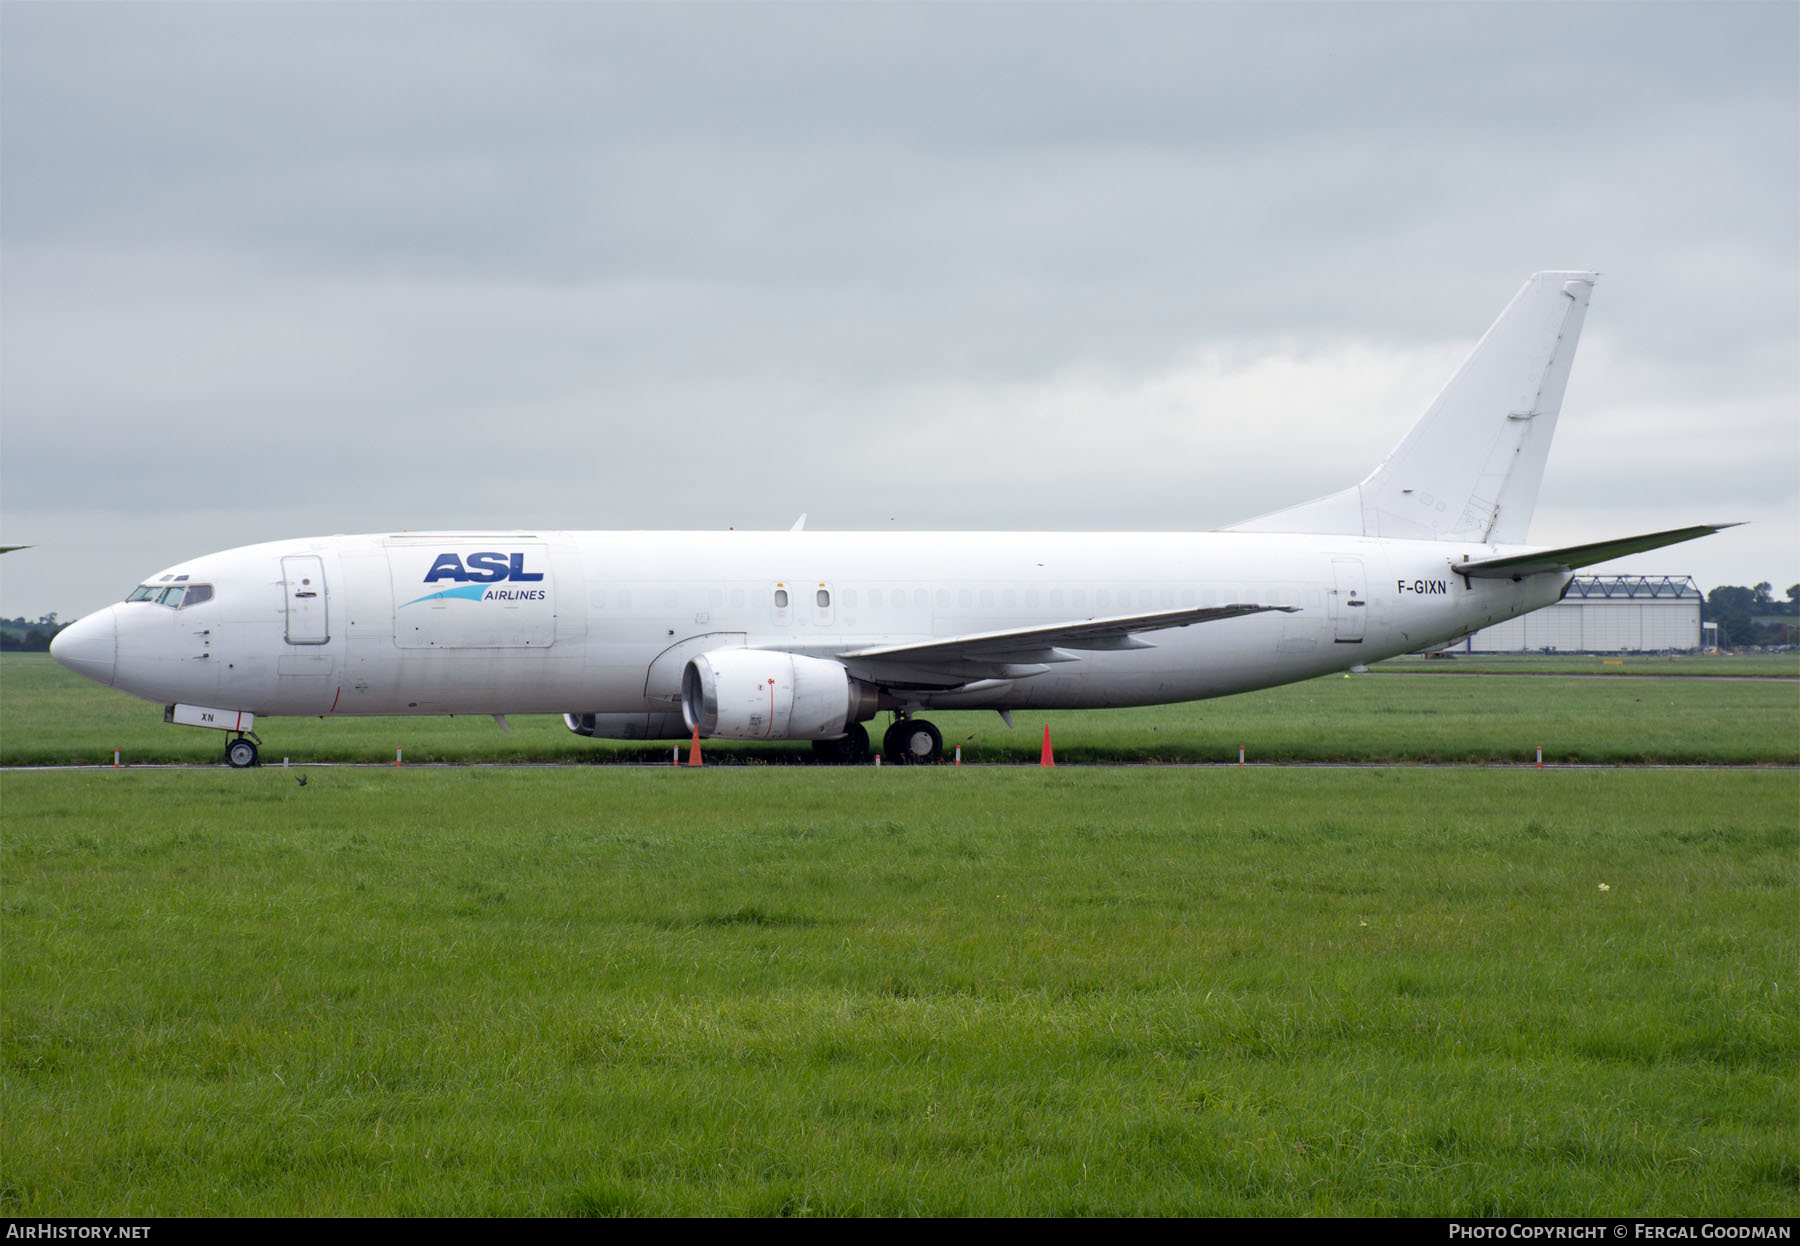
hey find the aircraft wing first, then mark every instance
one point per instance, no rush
(1570, 557)
(1017, 653)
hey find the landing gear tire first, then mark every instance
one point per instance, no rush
(913, 742)
(240, 754)
(850, 749)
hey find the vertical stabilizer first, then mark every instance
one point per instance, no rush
(1470, 468)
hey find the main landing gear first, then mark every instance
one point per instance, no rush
(909, 742)
(913, 742)
(240, 753)
(849, 749)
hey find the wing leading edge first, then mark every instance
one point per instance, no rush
(1017, 653)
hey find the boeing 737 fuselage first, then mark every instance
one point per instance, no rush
(806, 635)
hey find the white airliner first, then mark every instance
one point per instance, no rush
(803, 635)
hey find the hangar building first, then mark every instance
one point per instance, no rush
(1604, 614)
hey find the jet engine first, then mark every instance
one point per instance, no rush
(754, 694)
(661, 725)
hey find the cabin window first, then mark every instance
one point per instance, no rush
(171, 596)
(143, 592)
(874, 597)
(920, 599)
(823, 597)
(943, 599)
(781, 599)
(197, 593)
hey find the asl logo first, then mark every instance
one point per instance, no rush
(474, 575)
(483, 568)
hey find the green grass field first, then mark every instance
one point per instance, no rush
(977, 991)
(763, 989)
(49, 716)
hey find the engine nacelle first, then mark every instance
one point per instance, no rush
(661, 725)
(754, 694)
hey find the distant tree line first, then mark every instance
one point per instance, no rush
(1753, 616)
(22, 635)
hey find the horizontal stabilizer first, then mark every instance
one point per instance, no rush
(1570, 557)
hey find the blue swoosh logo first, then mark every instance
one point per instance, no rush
(471, 592)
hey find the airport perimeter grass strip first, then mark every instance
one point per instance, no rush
(49, 716)
(1678, 665)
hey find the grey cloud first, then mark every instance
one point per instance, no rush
(591, 265)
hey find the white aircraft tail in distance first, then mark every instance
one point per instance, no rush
(808, 635)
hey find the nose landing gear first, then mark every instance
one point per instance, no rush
(240, 753)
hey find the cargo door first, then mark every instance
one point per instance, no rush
(462, 591)
(303, 581)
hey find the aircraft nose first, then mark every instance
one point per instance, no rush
(90, 646)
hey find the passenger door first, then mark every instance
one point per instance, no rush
(308, 619)
(1349, 601)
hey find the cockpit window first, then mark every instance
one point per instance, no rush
(175, 596)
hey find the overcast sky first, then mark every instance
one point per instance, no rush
(272, 270)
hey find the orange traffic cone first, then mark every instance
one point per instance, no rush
(694, 749)
(1049, 758)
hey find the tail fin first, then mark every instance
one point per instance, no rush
(1469, 470)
